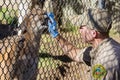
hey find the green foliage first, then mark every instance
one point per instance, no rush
(69, 27)
(7, 16)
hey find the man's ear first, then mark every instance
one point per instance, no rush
(94, 33)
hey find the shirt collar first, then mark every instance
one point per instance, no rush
(94, 51)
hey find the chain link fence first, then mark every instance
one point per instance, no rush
(31, 54)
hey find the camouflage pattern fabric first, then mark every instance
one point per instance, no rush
(104, 60)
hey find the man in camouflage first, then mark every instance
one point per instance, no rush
(104, 53)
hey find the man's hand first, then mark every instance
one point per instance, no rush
(52, 25)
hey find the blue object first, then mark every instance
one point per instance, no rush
(52, 25)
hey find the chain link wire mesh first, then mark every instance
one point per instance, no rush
(38, 57)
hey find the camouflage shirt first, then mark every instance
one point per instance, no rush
(104, 60)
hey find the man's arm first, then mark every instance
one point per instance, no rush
(69, 49)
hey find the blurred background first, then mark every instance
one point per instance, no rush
(53, 64)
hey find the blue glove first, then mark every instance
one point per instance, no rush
(52, 25)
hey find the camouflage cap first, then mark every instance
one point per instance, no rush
(97, 19)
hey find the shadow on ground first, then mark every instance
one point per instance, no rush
(62, 58)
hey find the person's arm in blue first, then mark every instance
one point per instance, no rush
(69, 49)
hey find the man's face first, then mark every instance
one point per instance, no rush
(87, 34)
